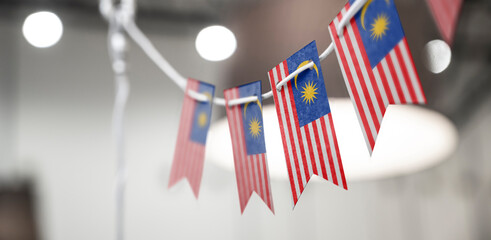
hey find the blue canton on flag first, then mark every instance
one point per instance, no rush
(202, 114)
(380, 28)
(253, 119)
(308, 87)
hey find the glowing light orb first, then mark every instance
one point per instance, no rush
(42, 29)
(215, 43)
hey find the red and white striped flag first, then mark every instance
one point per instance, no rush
(247, 132)
(376, 63)
(189, 155)
(446, 14)
(306, 125)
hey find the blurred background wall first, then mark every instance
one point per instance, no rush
(57, 150)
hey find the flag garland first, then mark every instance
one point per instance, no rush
(306, 125)
(378, 70)
(376, 64)
(249, 148)
(189, 155)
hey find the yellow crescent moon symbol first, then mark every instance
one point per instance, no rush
(208, 95)
(258, 103)
(303, 64)
(363, 12)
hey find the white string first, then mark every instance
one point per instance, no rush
(239, 101)
(117, 45)
(357, 5)
(293, 74)
(148, 48)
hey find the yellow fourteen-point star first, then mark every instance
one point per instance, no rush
(309, 92)
(254, 127)
(379, 26)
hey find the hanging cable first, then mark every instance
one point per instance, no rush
(149, 49)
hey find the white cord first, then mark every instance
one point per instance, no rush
(243, 100)
(141, 40)
(357, 5)
(117, 47)
(139, 37)
(293, 74)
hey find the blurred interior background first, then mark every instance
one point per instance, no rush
(57, 154)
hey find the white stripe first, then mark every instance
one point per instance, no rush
(314, 147)
(257, 157)
(390, 81)
(242, 187)
(293, 128)
(364, 71)
(307, 152)
(400, 76)
(412, 72)
(364, 104)
(287, 136)
(341, 65)
(333, 150)
(324, 150)
(381, 88)
(242, 152)
(263, 182)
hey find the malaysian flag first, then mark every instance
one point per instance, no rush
(376, 63)
(193, 129)
(247, 132)
(446, 14)
(306, 125)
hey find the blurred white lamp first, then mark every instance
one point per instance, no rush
(42, 29)
(215, 43)
(411, 138)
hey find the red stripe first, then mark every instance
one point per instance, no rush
(385, 83)
(267, 183)
(260, 175)
(252, 165)
(290, 133)
(319, 150)
(182, 171)
(285, 149)
(404, 40)
(340, 163)
(405, 74)
(182, 139)
(361, 80)
(297, 128)
(246, 186)
(329, 151)
(375, 87)
(244, 157)
(395, 79)
(361, 112)
(238, 166)
(311, 150)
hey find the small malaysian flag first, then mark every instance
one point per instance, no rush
(247, 132)
(189, 154)
(376, 63)
(446, 15)
(306, 125)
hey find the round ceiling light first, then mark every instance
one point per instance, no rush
(42, 29)
(411, 138)
(215, 43)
